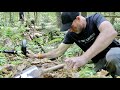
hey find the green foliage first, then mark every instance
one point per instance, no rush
(16, 62)
(87, 71)
(1, 48)
(41, 40)
(33, 47)
(57, 40)
(47, 17)
(2, 59)
(72, 51)
(117, 26)
(8, 32)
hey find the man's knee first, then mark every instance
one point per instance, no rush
(113, 61)
(113, 55)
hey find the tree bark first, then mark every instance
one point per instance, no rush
(59, 22)
(112, 18)
(35, 17)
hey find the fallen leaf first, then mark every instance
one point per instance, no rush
(21, 67)
(35, 62)
(102, 73)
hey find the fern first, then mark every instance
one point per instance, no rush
(55, 40)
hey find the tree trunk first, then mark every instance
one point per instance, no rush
(112, 18)
(4, 19)
(28, 16)
(10, 17)
(59, 22)
(35, 17)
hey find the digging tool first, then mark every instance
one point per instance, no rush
(23, 49)
(35, 72)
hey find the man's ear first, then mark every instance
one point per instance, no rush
(78, 17)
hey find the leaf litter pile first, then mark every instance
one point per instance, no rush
(10, 70)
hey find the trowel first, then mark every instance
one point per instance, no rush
(35, 72)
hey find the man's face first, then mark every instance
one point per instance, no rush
(76, 26)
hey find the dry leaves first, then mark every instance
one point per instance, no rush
(21, 67)
(61, 73)
(101, 74)
(8, 71)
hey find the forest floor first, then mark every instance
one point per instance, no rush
(16, 64)
(10, 70)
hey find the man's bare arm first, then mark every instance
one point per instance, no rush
(56, 52)
(104, 39)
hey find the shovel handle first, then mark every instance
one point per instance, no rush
(53, 68)
(9, 52)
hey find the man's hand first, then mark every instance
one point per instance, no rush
(30, 54)
(75, 62)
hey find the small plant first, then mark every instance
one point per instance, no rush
(72, 51)
(117, 26)
(2, 59)
(16, 62)
(87, 71)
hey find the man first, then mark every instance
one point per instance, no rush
(95, 36)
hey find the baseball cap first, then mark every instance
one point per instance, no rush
(67, 19)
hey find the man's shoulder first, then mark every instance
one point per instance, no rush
(96, 18)
(95, 15)
(69, 33)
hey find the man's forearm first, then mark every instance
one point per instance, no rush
(51, 54)
(103, 41)
(56, 52)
